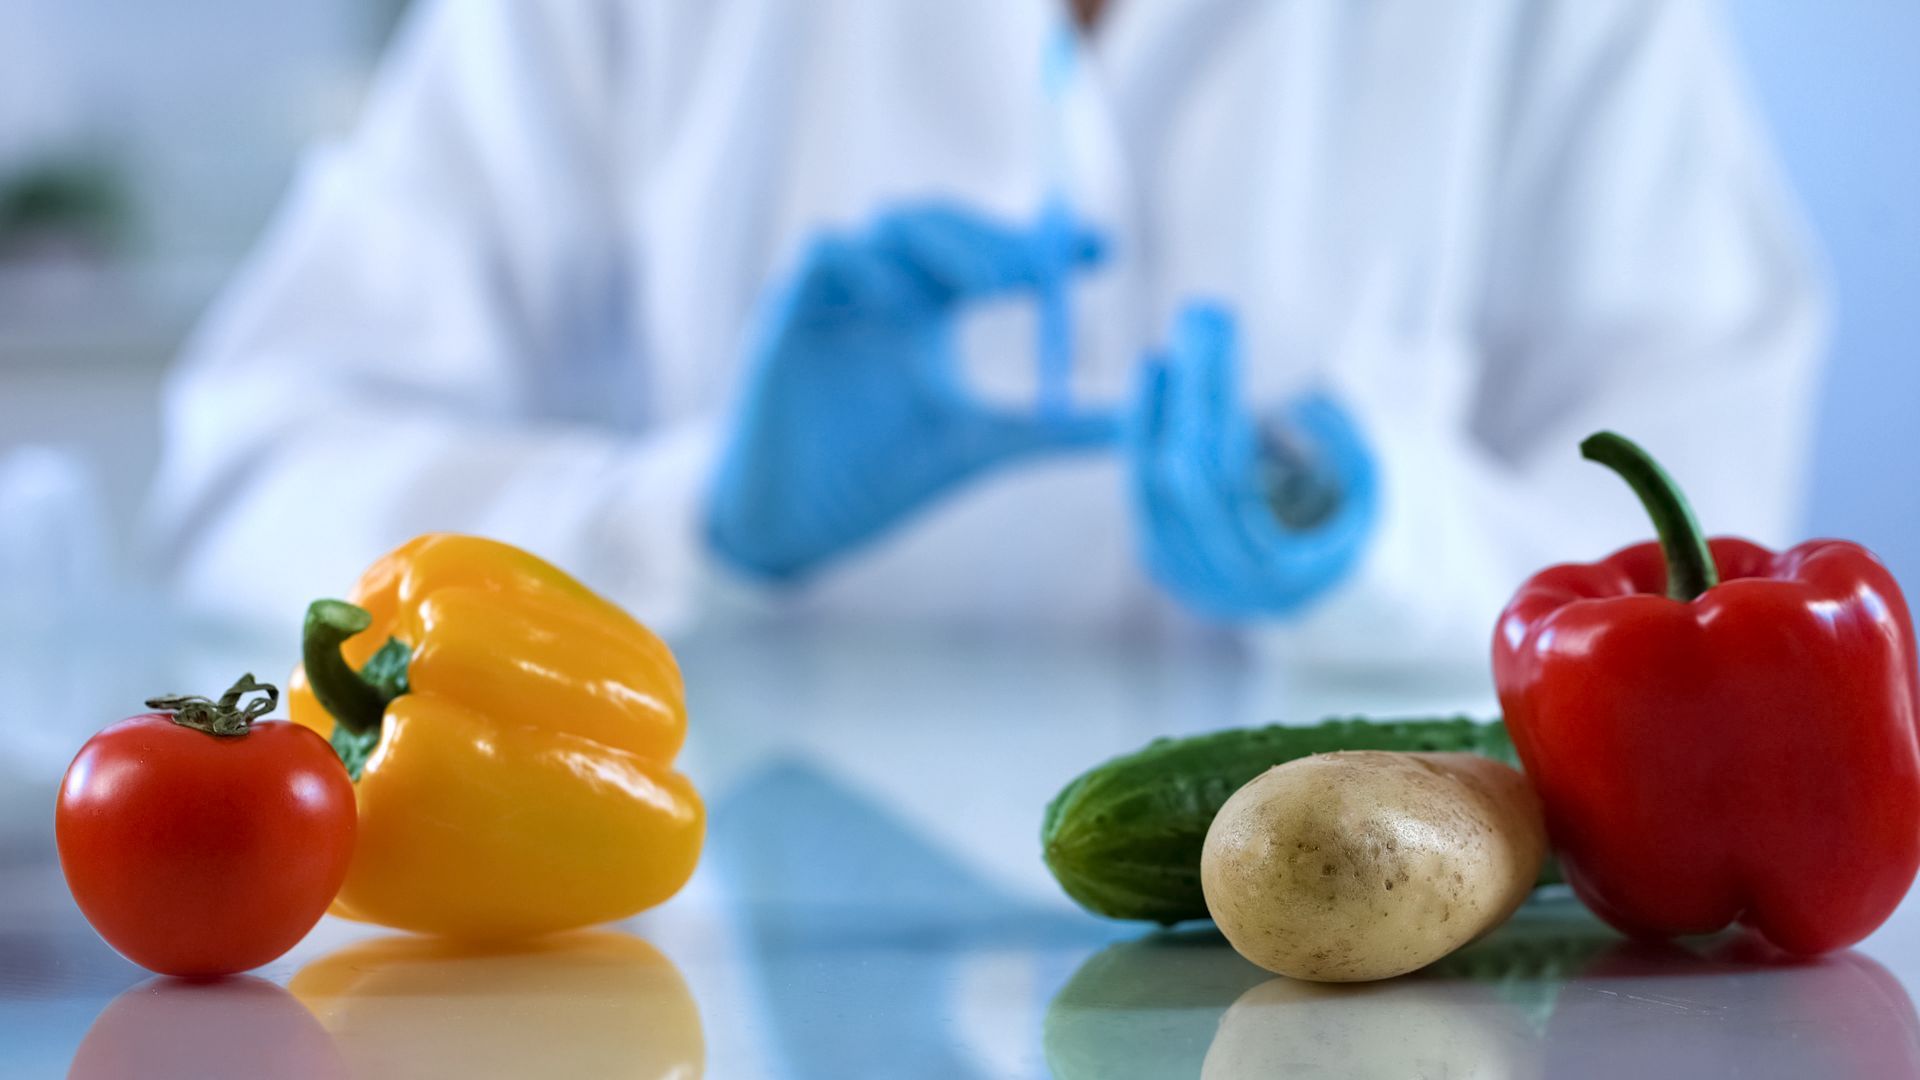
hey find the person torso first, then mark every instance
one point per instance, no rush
(1321, 166)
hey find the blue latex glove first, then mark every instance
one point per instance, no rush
(1208, 484)
(854, 415)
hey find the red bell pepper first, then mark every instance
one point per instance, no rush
(1719, 733)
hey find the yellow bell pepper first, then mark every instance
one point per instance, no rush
(511, 737)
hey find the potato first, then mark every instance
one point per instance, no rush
(1367, 864)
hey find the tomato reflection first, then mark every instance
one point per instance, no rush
(592, 1003)
(239, 1027)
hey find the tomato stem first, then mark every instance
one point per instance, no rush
(226, 718)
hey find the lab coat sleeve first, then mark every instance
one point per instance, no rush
(1644, 273)
(430, 339)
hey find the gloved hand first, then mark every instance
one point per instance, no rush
(854, 415)
(1211, 490)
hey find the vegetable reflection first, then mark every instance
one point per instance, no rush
(1551, 994)
(1838, 1015)
(593, 1003)
(240, 1027)
(1395, 1028)
(1147, 1008)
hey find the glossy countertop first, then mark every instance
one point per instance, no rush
(872, 904)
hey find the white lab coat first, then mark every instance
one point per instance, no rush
(516, 302)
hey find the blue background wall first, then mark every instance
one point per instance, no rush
(1840, 81)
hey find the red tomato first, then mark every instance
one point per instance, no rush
(199, 854)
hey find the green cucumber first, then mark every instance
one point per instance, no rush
(1123, 839)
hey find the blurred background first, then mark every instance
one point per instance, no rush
(143, 147)
(141, 150)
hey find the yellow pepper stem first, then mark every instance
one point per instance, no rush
(357, 700)
(354, 702)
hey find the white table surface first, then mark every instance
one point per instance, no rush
(872, 904)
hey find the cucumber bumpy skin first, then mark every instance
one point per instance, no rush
(1124, 838)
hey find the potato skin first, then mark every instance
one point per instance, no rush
(1368, 864)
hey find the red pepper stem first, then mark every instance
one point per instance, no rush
(1690, 568)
